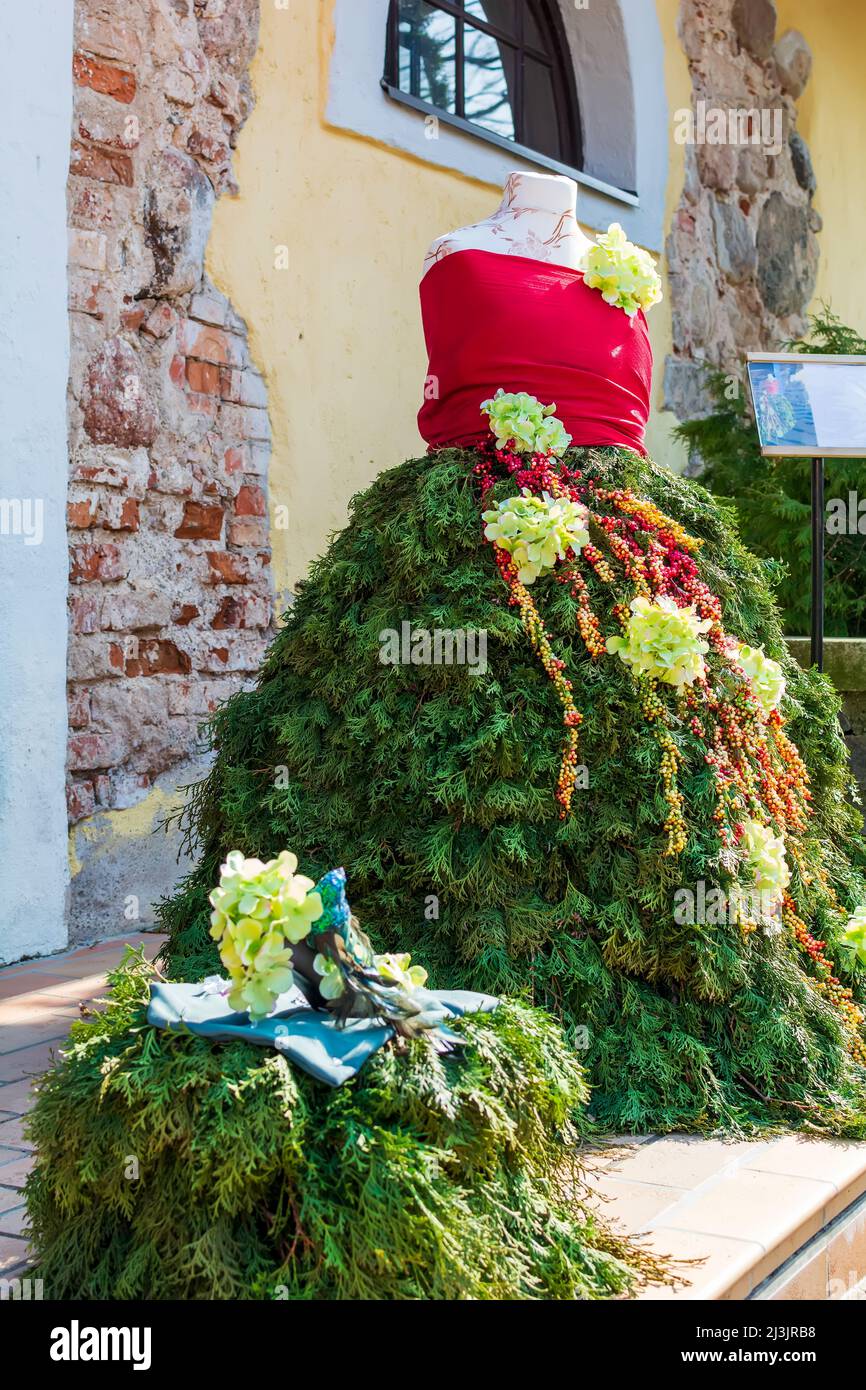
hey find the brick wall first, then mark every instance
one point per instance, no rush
(170, 593)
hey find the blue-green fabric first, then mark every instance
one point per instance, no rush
(308, 1037)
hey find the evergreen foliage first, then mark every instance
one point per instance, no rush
(437, 780)
(425, 1177)
(772, 497)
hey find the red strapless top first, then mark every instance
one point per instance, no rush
(494, 320)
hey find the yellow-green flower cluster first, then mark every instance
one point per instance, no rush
(521, 423)
(259, 911)
(394, 969)
(764, 675)
(398, 970)
(332, 983)
(854, 935)
(764, 854)
(625, 274)
(663, 641)
(537, 531)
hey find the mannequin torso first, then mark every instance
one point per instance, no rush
(537, 218)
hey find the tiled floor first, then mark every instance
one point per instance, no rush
(743, 1209)
(38, 1002)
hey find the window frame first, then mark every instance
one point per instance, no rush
(548, 15)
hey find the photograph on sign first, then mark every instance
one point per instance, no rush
(809, 404)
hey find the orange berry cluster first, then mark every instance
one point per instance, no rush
(652, 517)
(598, 563)
(655, 713)
(535, 630)
(587, 623)
(827, 982)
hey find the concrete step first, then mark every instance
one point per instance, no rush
(780, 1218)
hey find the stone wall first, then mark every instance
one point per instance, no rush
(170, 583)
(742, 252)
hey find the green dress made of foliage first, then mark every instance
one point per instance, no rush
(436, 786)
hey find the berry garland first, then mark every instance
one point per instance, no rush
(826, 981)
(542, 479)
(638, 551)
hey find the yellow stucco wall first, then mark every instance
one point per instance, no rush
(337, 332)
(832, 121)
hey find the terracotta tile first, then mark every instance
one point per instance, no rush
(846, 1256)
(13, 1252)
(682, 1160)
(96, 959)
(17, 1097)
(777, 1212)
(68, 991)
(33, 1006)
(21, 967)
(13, 984)
(90, 962)
(23, 1036)
(31, 1018)
(724, 1271)
(806, 1283)
(631, 1206)
(14, 1167)
(27, 1062)
(12, 1134)
(10, 1197)
(12, 1220)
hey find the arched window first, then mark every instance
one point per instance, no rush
(498, 68)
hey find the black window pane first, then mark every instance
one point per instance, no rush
(541, 126)
(500, 13)
(532, 35)
(490, 70)
(427, 53)
(514, 82)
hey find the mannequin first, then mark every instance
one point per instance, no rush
(536, 218)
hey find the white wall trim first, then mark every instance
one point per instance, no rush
(618, 53)
(36, 81)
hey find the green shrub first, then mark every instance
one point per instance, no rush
(172, 1168)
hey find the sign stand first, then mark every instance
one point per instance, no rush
(818, 524)
(811, 406)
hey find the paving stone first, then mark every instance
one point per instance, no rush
(13, 1220)
(14, 1167)
(13, 1255)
